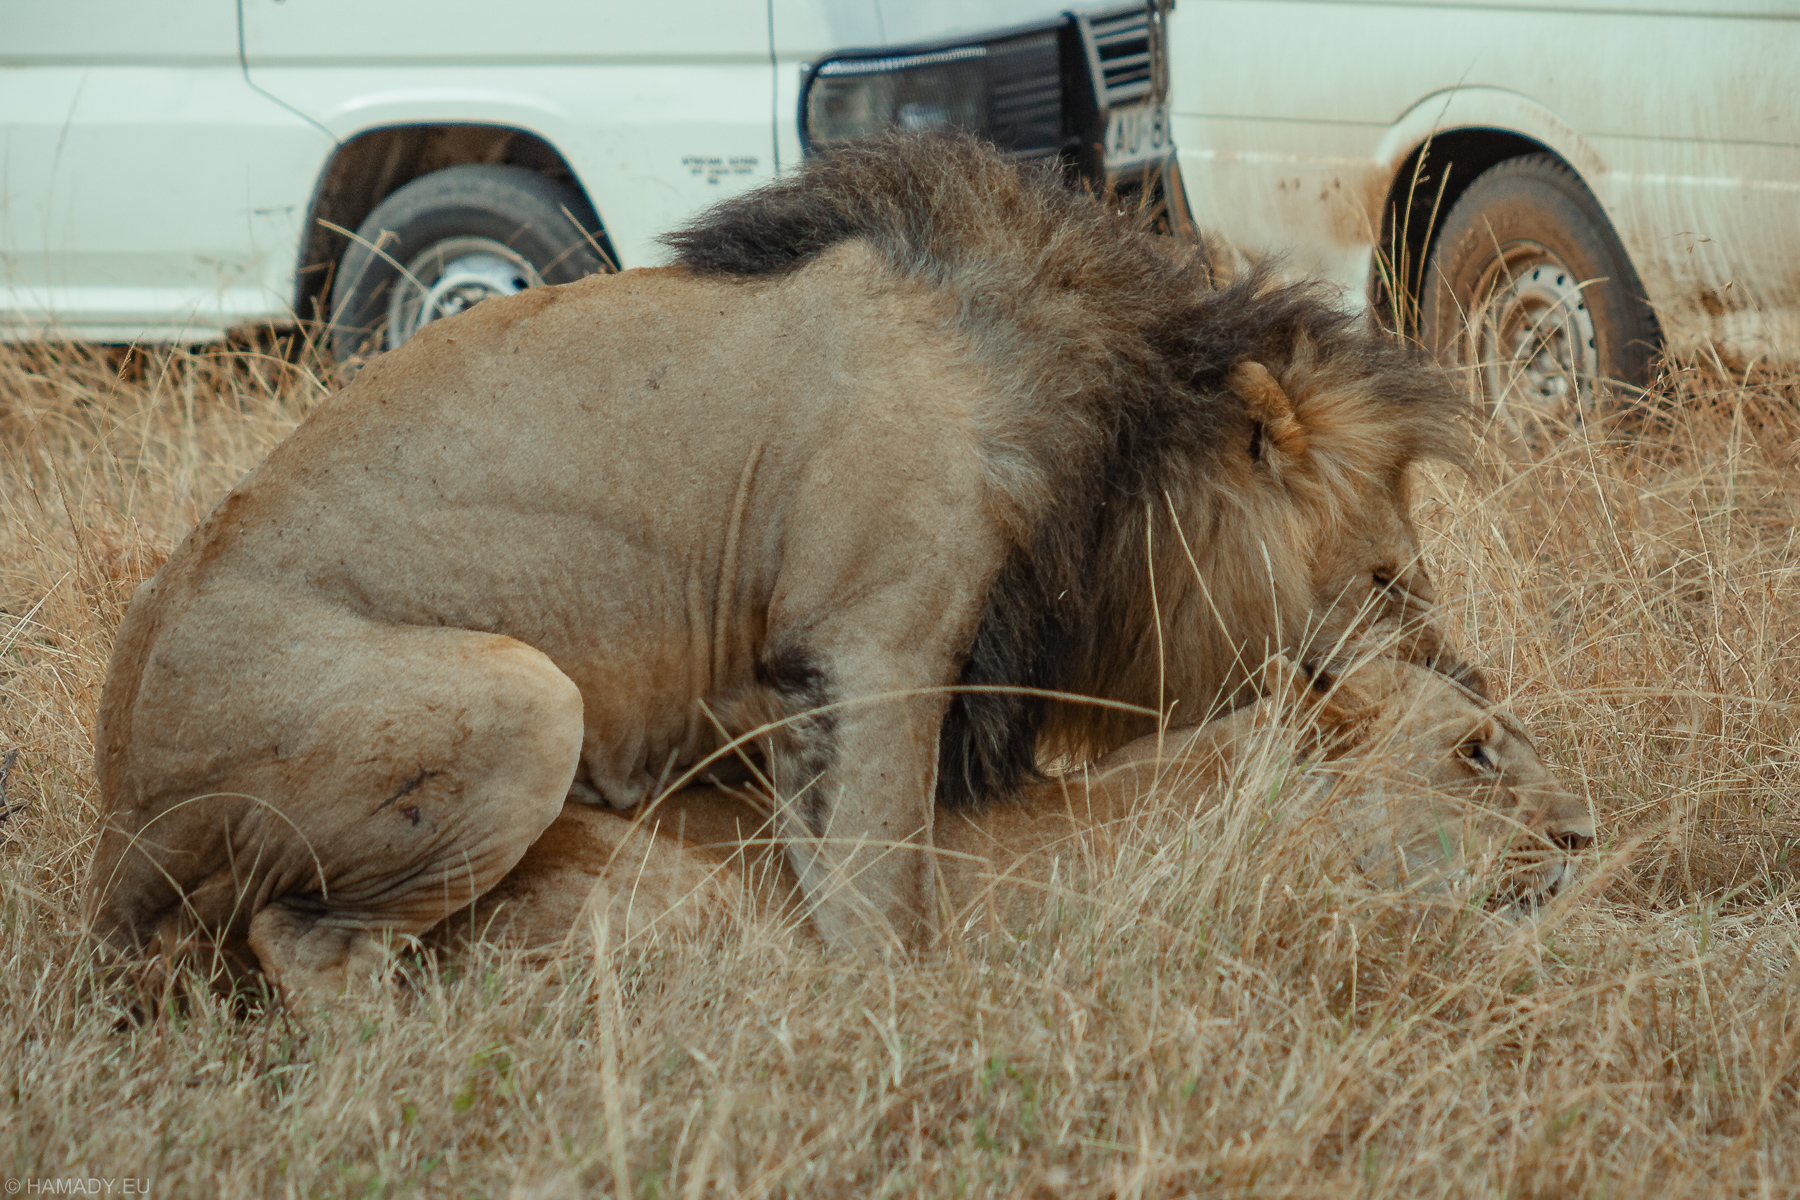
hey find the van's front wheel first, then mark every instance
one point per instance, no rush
(1528, 287)
(449, 240)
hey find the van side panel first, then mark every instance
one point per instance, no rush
(1714, 231)
(659, 109)
(144, 190)
(1682, 115)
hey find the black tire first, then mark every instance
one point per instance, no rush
(502, 228)
(1527, 286)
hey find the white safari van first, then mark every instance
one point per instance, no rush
(1589, 181)
(170, 169)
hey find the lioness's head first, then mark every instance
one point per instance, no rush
(1434, 784)
(1423, 782)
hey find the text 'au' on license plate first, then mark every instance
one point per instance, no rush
(1137, 134)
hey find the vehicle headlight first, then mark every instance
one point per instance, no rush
(1009, 92)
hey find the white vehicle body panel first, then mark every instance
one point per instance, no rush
(159, 158)
(911, 22)
(1683, 116)
(139, 197)
(659, 109)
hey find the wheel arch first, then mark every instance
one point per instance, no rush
(371, 165)
(1432, 154)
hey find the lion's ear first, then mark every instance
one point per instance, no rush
(1270, 409)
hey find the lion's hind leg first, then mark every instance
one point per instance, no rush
(418, 791)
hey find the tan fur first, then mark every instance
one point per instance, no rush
(1389, 775)
(548, 546)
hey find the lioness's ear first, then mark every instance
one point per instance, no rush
(1335, 715)
(1284, 681)
(1340, 722)
(1269, 407)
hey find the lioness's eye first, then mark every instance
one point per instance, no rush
(1384, 579)
(1475, 752)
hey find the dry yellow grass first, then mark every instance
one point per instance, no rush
(1217, 1017)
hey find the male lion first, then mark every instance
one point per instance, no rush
(1425, 783)
(908, 419)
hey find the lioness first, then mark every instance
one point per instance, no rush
(909, 419)
(1429, 784)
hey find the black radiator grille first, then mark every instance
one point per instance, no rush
(1121, 42)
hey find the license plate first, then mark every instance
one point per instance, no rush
(1137, 134)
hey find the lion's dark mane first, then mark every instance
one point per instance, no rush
(1112, 347)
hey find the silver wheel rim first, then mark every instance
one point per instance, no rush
(453, 276)
(1533, 338)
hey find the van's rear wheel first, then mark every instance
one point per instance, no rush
(449, 240)
(1528, 287)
